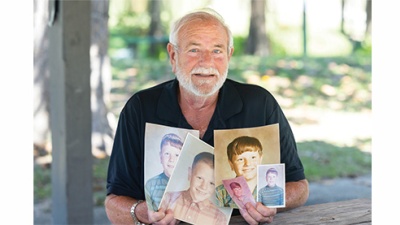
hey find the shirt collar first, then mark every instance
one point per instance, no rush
(164, 176)
(167, 106)
(229, 103)
(188, 200)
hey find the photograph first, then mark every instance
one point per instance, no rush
(238, 152)
(239, 191)
(163, 146)
(191, 190)
(271, 185)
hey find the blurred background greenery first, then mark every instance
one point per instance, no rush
(319, 59)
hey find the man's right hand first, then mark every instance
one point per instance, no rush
(162, 217)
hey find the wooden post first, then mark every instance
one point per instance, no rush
(70, 113)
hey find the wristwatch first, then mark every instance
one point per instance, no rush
(135, 219)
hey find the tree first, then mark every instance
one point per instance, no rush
(356, 39)
(103, 122)
(156, 28)
(257, 41)
(368, 10)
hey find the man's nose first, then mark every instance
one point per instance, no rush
(206, 59)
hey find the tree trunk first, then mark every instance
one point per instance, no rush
(342, 16)
(103, 122)
(156, 29)
(41, 117)
(368, 10)
(257, 41)
(354, 38)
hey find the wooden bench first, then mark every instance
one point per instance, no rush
(357, 211)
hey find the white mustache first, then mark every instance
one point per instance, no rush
(203, 70)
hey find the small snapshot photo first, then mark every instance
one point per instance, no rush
(271, 185)
(163, 146)
(239, 191)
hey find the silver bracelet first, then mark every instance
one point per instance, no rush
(135, 219)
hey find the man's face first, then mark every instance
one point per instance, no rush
(201, 60)
(245, 164)
(202, 184)
(169, 154)
(271, 179)
(237, 191)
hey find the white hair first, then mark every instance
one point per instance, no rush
(204, 15)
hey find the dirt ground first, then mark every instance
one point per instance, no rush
(337, 127)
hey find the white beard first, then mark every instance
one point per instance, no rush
(186, 82)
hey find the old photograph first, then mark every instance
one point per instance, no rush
(238, 152)
(163, 146)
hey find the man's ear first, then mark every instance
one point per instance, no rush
(230, 53)
(172, 55)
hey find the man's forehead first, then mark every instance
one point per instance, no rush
(194, 28)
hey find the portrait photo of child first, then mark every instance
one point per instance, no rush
(238, 152)
(271, 183)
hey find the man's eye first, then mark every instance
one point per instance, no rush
(193, 50)
(217, 51)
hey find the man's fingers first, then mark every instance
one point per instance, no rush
(246, 216)
(260, 213)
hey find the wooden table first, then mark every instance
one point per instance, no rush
(357, 211)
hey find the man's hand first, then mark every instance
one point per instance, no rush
(258, 214)
(162, 217)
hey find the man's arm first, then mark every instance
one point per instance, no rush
(296, 194)
(118, 209)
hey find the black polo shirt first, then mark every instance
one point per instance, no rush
(239, 106)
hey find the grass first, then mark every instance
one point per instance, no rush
(322, 160)
(338, 83)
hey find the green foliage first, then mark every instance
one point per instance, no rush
(323, 160)
(42, 183)
(131, 24)
(131, 32)
(365, 49)
(239, 44)
(344, 81)
(277, 47)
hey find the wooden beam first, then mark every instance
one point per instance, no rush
(72, 196)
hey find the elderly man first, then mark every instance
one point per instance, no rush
(201, 98)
